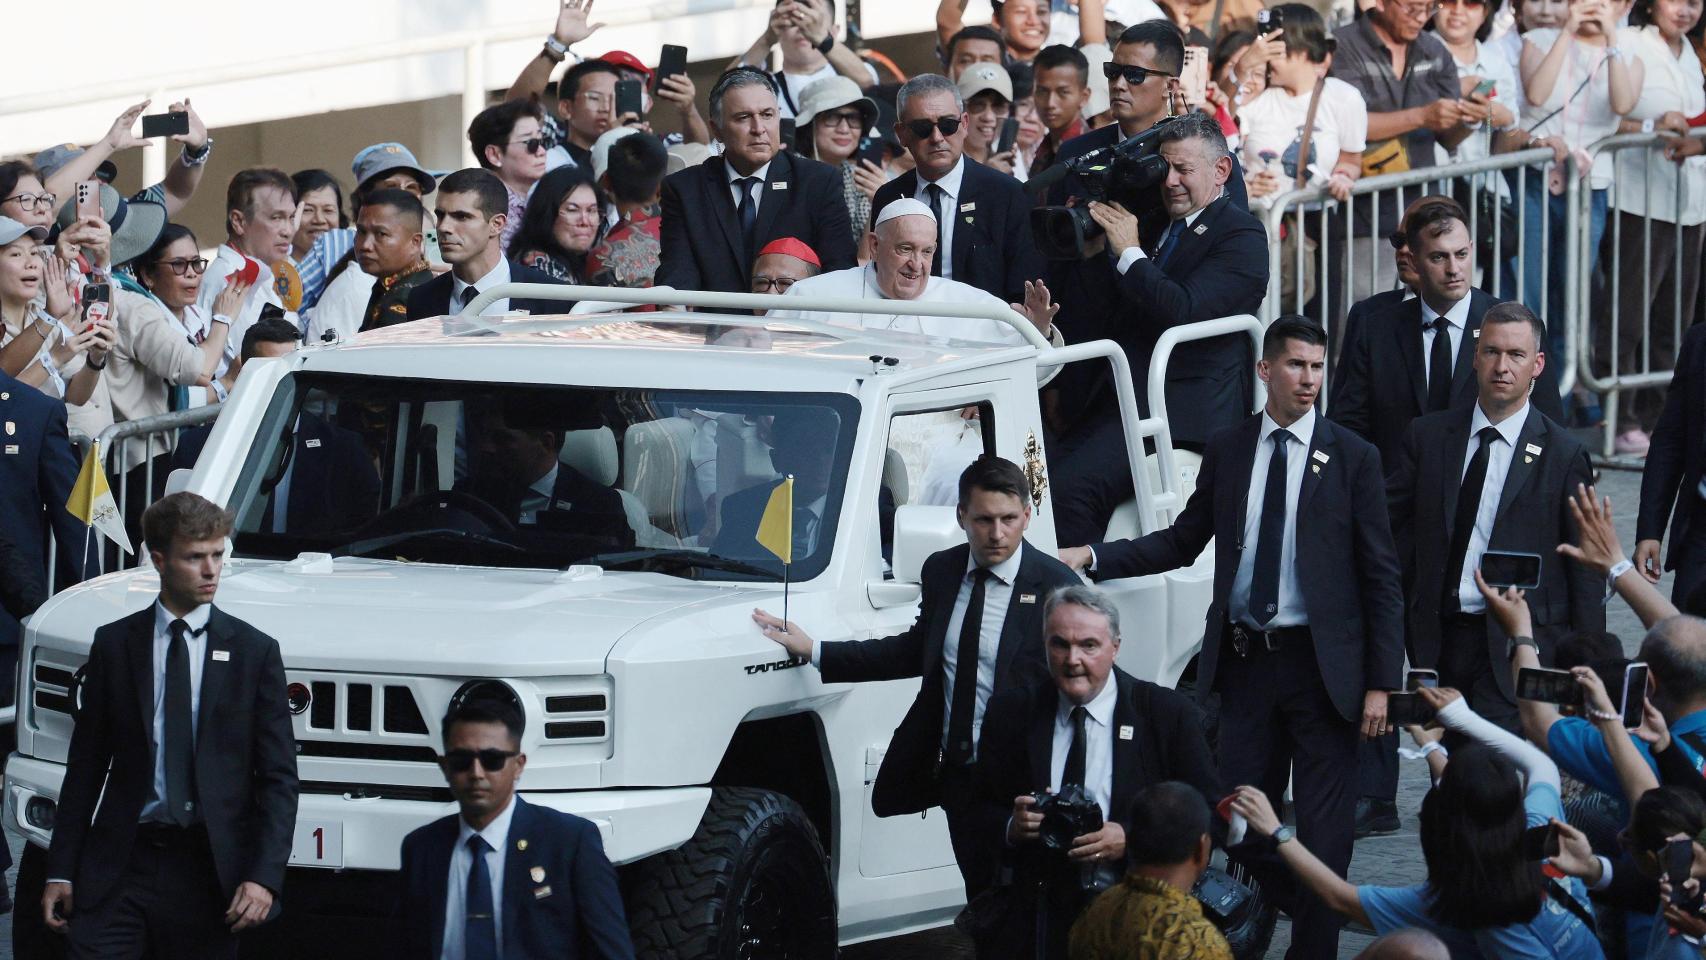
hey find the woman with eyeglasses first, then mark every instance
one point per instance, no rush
(37, 309)
(834, 116)
(1463, 26)
(563, 221)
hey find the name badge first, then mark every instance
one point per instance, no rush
(1027, 598)
(1531, 448)
(220, 656)
(1125, 733)
(313, 444)
(1320, 456)
(967, 207)
(540, 893)
(1201, 229)
(778, 185)
(11, 448)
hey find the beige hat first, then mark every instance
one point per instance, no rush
(601, 148)
(830, 93)
(986, 76)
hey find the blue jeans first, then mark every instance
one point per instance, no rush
(1534, 277)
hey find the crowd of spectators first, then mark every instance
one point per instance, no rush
(815, 167)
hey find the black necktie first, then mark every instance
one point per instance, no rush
(1270, 537)
(1439, 367)
(1073, 773)
(937, 195)
(748, 214)
(1468, 505)
(179, 740)
(469, 294)
(480, 929)
(1169, 242)
(965, 673)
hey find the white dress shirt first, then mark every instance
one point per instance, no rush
(1456, 319)
(1136, 253)
(997, 596)
(496, 835)
(1291, 612)
(761, 174)
(1098, 745)
(496, 275)
(226, 261)
(860, 283)
(196, 642)
(949, 212)
(540, 496)
(1469, 598)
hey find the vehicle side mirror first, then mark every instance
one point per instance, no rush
(920, 531)
(178, 481)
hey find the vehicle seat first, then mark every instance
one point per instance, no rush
(742, 459)
(1123, 525)
(894, 477)
(656, 464)
(593, 453)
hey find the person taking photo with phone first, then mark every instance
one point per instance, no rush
(1493, 477)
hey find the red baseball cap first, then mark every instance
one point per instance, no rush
(623, 58)
(788, 246)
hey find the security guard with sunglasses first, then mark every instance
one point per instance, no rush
(503, 877)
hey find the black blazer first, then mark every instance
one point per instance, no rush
(1017, 748)
(993, 247)
(333, 485)
(432, 299)
(578, 505)
(1381, 385)
(1534, 517)
(37, 471)
(245, 758)
(1346, 565)
(701, 226)
(572, 909)
(906, 782)
(1677, 454)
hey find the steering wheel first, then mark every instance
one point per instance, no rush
(429, 508)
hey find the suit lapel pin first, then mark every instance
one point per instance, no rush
(538, 874)
(521, 844)
(5, 396)
(1316, 467)
(1477, 332)
(11, 428)
(778, 185)
(1125, 731)
(1027, 598)
(540, 893)
(221, 656)
(1527, 459)
(1201, 229)
(967, 207)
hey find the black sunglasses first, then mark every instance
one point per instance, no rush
(1133, 75)
(461, 761)
(921, 128)
(533, 144)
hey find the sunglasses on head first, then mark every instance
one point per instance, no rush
(921, 128)
(1133, 75)
(493, 760)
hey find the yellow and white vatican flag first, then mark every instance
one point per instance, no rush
(92, 502)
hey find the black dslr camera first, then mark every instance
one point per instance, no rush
(1128, 173)
(1067, 815)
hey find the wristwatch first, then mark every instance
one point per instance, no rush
(827, 43)
(1618, 569)
(1510, 651)
(555, 50)
(1284, 834)
(195, 158)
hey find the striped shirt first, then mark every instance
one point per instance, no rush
(316, 265)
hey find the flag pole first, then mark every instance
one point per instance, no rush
(788, 563)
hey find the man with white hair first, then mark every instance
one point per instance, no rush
(903, 241)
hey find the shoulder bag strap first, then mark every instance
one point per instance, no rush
(1570, 903)
(1308, 133)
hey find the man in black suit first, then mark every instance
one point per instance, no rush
(977, 634)
(37, 471)
(719, 214)
(1670, 484)
(472, 209)
(1497, 475)
(1206, 258)
(329, 485)
(517, 445)
(1091, 725)
(982, 215)
(1302, 640)
(1394, 366)
(501, 874)
(179, 801)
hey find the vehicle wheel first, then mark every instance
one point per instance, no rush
(752, 884)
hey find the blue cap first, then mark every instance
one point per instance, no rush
(49, 161)
(382, 158)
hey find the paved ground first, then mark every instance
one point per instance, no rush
(1394, 859)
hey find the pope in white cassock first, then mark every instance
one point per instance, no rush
(902, 247)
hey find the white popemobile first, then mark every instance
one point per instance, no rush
(730, 786)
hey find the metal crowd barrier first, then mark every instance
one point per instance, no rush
(157, 435)
(1312, 212)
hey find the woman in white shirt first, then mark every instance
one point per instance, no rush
(37, 344)
(1271, 124)
(1577, 85)
(1463, 25)
(1648, 189)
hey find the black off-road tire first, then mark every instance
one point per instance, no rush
(752, 884)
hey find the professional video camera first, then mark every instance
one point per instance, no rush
(1067, 815)
(1128, 173)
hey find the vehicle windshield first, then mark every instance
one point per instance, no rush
(517, 475)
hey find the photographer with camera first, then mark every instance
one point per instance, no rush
(1063, 761)
(1183, 251)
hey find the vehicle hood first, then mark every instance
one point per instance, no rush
(365, 615)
